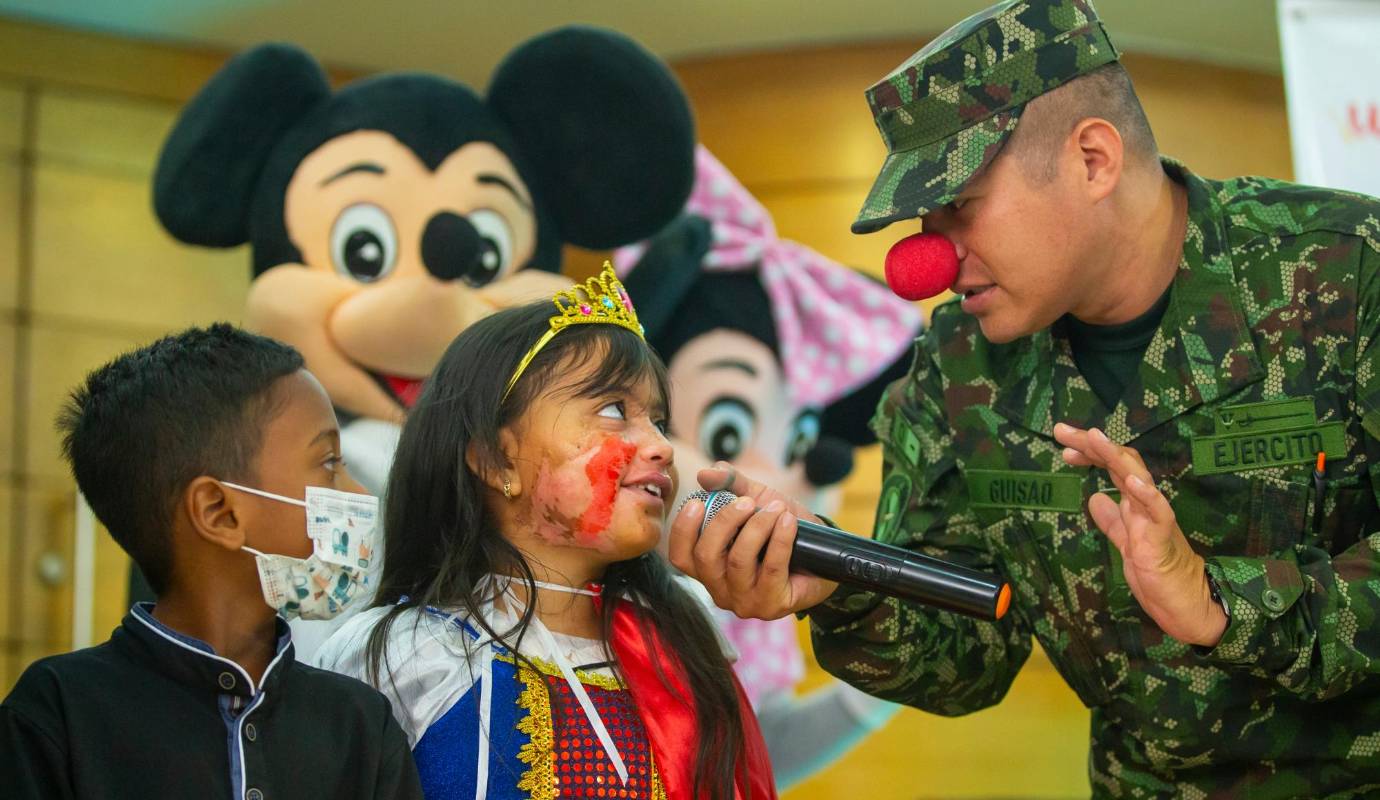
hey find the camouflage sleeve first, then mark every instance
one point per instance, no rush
(905, 652)
(1307, 619)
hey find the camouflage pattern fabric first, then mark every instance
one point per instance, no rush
(1267, 354)
(946, 111)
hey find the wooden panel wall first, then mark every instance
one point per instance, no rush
(85, 272)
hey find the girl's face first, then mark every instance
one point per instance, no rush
(595, 467)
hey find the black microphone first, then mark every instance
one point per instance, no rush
(840, 556)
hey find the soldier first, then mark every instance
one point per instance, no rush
(1209, 348)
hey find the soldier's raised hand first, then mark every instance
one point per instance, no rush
(1164, 573)
(724, 557)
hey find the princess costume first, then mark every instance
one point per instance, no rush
(542, 715)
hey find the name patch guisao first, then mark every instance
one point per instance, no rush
(1037, 491)
(1274, 433)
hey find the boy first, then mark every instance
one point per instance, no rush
(194, 452)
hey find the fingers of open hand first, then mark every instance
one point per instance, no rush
(1079, 446)
(1152, 500)
(1120, 461)
(1106, 515)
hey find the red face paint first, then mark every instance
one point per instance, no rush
(605, 473)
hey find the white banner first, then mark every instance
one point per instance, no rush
(1331, 52)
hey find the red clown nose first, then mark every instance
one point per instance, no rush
(921, 266)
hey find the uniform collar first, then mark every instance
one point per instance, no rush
(195, 663)
(1202, 350)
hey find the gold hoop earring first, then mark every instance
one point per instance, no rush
(508, 489)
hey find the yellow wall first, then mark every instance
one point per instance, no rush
(85, 272)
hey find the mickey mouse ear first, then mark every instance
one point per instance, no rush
(211, 161)
(606, 129)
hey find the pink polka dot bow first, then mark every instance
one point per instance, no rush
(837, 328)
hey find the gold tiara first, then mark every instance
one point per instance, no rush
(601, 300)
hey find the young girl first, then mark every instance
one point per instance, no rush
(779, 356)
(531, 641)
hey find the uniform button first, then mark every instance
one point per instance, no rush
(253, 794)
(1273, 600)
(250, 732)
(227, 681)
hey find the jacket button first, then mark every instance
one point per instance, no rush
(250, 732)
(1273, 600)
(227, 681)
(253, 794)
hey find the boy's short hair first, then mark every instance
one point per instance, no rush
(140, 428)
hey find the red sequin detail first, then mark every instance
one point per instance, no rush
(582, 767)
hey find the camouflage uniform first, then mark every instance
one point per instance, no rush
(1266, 355)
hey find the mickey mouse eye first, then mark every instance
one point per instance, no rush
(495, 247)
(364, 244)
(727, 428)
(804, 436)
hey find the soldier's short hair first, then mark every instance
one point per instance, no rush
(1106, 93)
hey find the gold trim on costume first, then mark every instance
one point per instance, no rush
(539, 753)
(550, 669)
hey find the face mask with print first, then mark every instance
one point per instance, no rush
(342, 527)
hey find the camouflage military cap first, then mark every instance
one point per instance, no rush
(946, 111)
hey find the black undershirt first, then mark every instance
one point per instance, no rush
(1109, 356)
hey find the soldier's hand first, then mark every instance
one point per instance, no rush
(725, 556)
(1164, 573)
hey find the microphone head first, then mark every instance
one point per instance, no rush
(921, 266)
(714, 502)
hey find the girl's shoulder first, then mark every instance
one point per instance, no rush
(413, 633)
(428, 661)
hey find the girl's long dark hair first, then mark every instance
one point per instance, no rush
(441, 542)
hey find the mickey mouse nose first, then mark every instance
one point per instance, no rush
(450, 246)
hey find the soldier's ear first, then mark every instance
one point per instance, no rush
(206, 174)
(1098, 156)
(605, 129)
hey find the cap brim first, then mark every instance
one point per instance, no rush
(914, 182)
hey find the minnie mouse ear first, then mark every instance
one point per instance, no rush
(829, 461)
(667, 272)
(605, 129)
(212, 159)
(849, 418)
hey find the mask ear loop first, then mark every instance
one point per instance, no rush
(262, 493)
